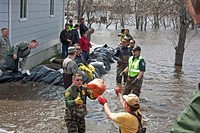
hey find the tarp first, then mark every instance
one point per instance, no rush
(189, 120)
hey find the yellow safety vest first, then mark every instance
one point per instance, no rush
(133, 66)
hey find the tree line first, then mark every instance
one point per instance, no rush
(140, 13)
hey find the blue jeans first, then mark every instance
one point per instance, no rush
(85, 55)
(64, 50)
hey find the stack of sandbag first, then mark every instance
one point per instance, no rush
(45, 74)
(100, 60)
(102, 54)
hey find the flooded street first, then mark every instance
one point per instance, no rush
(39, 108)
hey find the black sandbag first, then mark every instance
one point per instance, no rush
(51, 77)
(58, 81)
(9, 76)
(85, 77)
(99, 66)
(37, 73)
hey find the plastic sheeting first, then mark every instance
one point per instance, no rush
(100, 58)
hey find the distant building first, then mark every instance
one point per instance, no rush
(34, 19)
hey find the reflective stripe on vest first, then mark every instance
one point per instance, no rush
(134, 66)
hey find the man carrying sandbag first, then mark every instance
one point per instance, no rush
(75, 100)
(17, 56)
(129, 121)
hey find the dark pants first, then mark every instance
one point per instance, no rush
(133, 88)
(64, 50)
(67, 79)
(120, 68)
(85, 55)
(12, 64)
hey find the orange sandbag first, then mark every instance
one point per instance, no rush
(97, 86)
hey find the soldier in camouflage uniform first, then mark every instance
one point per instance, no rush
(70, 67)
(4, 46)
(122, 54)
(75, 100)
(20, 50)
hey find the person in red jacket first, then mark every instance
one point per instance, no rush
(85, 46)
(194, 10)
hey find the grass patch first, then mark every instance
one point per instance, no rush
(47, 61)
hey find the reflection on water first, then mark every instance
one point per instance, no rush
(166, 90)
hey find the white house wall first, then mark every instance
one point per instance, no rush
(3, 13)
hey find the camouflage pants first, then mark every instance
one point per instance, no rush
(134, 89)
(9, 64)
(74, 124)
(120, 68)
(2, 59)
(2, 63)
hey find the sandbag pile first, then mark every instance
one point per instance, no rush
(103, 54)
(100, 59)
(46, 75)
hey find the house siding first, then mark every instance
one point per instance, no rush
(4, 13)
(40, 26)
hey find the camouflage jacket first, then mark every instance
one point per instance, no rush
(72, 92)
(70, 66)
(21, 49)
(4, 45)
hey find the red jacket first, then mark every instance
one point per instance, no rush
(85, 43)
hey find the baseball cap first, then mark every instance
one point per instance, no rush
(137, 48)
(71, 50)
(131, 99)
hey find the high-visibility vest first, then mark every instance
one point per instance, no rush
(133, 66)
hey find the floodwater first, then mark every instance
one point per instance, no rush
(39, 108)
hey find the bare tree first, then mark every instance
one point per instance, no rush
(184, 23)
(67, 8)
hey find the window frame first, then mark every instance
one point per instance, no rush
(23, 10)
(52, 8)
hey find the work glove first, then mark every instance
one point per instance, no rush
(122, 73)
(102, 100)
(92, 94)
(117, 90)
(134, 82)
(78, 100)
(96, 95)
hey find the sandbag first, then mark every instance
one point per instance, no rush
(97, 86)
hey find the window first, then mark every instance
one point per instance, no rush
(23, 8)
(51, 7)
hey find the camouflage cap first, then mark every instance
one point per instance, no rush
(71, 50)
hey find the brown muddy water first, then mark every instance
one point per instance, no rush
(39, 108)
